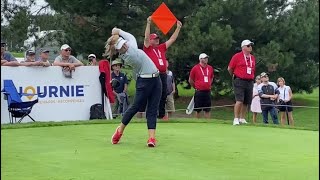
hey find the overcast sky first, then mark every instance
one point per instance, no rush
(39, 4)
(34, 8)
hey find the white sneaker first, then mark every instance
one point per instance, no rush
(243, 121)
(236, 121)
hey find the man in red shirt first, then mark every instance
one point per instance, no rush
(242, 68)
(201, 78)
(157, 53)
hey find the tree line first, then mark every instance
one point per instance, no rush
(285, 33)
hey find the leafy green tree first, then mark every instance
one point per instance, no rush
(298, 35)
(280, 35)
(16, 32)
(286, 33)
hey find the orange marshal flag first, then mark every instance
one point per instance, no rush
(164, 18)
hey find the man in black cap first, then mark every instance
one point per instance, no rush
(44, 57)
(268, 92)
(30, 56)
(30, 59)
(6, 57)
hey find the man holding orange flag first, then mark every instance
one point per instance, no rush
(157, 53)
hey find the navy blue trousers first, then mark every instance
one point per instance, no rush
(147, 89)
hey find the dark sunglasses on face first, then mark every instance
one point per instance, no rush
(248, 45)
(67, 50)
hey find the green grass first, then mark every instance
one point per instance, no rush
(303, 116)
(185, 151)
(185, 92)
(18, 54)
(187, 148)
(308, 117)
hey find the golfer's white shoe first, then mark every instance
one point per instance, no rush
(242, 121)
(236, 121)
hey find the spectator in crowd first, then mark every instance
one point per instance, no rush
(44, 57)
(255, 104)
(242, 68)
(30, 59)
(121, 91)
(268, 92)
(43, 60)
(67, 61)
(171, 89)
(7, 58)
(92, 60)
(148, 83)
(285, 97)
(157, 53)
(201, 78)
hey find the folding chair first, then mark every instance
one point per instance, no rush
(16, 107)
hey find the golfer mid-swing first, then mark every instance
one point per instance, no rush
(148, 84)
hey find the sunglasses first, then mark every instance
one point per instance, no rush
(67, 50)
(248, 45)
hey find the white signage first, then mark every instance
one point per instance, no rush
(62, 99)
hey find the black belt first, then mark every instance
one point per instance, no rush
(203, 90)
(235, 77)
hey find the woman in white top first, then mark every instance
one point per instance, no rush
(284, 99)
(255, 104)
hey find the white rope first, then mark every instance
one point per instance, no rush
(231, 105)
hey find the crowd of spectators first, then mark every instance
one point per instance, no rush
(267, 97)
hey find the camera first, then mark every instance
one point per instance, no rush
(281, 102)
(115, 83)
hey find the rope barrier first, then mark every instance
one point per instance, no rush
(231, 105)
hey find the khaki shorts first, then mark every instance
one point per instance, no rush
(170, 103)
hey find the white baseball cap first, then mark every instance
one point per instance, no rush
(92, 55)
(65, 46)
(120, 43)
(246, 42)
(203, 55)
